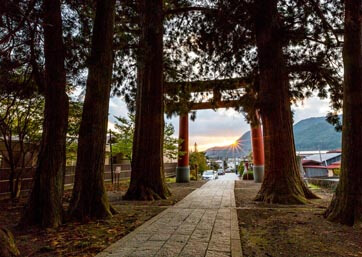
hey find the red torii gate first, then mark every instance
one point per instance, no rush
(183, 167)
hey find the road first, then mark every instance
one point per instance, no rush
(229, 176)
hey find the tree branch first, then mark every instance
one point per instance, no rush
(326, 25)
(183, 10)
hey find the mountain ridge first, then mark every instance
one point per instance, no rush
(313, 133)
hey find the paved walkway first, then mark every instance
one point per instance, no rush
(204, 223)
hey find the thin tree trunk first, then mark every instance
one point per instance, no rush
(44, 207)
(282, 181)
(147, 177)
(17, 186)
(346, 205)
(11, 182)
(9, 158)
(89, 198)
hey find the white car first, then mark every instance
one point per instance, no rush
(209, 175)
(220, 172)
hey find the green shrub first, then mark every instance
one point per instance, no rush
(337, 172)
(249, 175)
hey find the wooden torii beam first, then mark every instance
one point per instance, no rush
(214, 105)
(207, 85)
(183, 168)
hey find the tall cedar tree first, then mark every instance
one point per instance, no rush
(89, 199)
(44, 207)
(282, 182)
(346, 205)
(293, 59)
(147, 178)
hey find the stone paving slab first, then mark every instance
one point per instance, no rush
(203, 224)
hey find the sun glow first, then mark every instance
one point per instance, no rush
(204, 143)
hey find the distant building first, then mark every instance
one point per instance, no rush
(305, 154)
(220, 163)
(325, 159)
(322, 164)
(315, 171)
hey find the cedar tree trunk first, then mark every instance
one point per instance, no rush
(282, 180)
(89, 199)
(44, 207)
(147, 177)
(346, 205)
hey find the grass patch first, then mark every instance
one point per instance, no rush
(171, 180)
(313, 187)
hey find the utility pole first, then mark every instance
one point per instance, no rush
(110, 150)
(235, 162)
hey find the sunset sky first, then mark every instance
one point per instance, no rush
(223, 127)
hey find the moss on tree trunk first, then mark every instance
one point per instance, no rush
(147, 178)
(282, 180)
(89, 199)
(346, 205)
(44, 207)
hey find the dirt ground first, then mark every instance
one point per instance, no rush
(277, 230)
(75, 239)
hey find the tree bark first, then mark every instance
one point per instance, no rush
(44, 207)
(282, 181)
(346, 205)
(7, 244)
(89, 199)
(147, 177)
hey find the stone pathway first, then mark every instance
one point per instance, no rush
(204, 223)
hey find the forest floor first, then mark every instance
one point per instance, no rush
(76, 239)
(301, 230)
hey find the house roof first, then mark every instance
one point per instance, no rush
(314, 167)
(322, 157)
(310, 162)
(335, 165)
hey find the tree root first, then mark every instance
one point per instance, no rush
(308, 193)
(113, 211)
(143, 193)
(273, 198)
(341, 211)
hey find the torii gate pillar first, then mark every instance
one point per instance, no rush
(258, 153)
(183, 167)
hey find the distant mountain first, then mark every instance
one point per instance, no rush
(316, 134)
(309, 134)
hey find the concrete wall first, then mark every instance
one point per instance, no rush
(326, 183)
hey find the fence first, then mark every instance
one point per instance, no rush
(27, 176)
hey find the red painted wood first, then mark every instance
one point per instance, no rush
(183, 161)
(258, 145)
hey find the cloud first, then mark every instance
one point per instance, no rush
(117, 107)
(214, 128)
(222, 127)
(312, 107)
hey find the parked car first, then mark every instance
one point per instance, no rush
(220, 172)
(209, 175)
